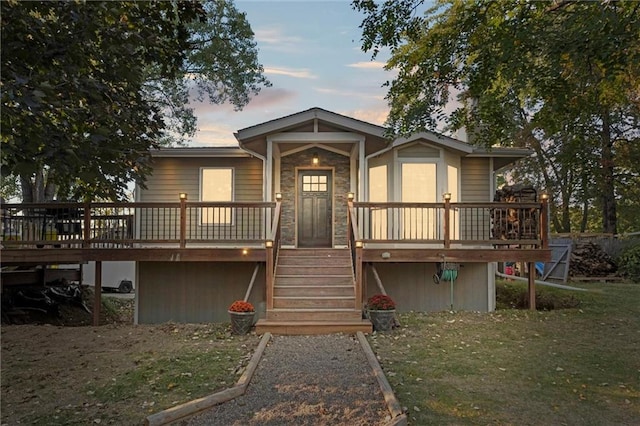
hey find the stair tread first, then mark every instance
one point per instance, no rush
(314, 286)
(312, 310)
(314, 297)
(314, 275)
(345, 321)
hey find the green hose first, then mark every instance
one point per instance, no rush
(449, 275)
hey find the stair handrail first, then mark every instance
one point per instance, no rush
(355, 247)
(272, 245)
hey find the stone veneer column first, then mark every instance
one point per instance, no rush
(341, 186)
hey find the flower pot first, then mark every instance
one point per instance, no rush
(382, 320)
(241, 322)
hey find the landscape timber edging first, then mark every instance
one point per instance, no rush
(398, 417)
(192, 407)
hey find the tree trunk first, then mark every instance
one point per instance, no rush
(38, 188)
(607, 162)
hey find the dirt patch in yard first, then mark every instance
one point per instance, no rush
(116, 373)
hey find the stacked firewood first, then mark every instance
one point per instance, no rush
(589, 260)
(513, 224)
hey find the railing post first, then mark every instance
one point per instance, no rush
(544, 221)
(447, 219)
(86, 235)
(183, 220)
(358, 284)
(270, 270)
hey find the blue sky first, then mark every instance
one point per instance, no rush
(311, 53)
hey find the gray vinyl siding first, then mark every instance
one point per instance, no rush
(171, 176)
(418, 151)
(412, 287)
(475, 187)
(475, 180)
(194, 292)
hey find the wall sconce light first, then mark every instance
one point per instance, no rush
(350, 196)
(447, 196)
(544, 196)
(315, 159)
(278, 196)
(358, 244)
(268, 244)
(183, 195)
(245, 252)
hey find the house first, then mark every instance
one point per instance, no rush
(351, 205)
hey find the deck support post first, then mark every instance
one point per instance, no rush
(532, 285)
(97, 296)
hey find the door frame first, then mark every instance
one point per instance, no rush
(297, 190)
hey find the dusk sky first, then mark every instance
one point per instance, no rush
(311, 53)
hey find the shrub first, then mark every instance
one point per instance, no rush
(629, 263)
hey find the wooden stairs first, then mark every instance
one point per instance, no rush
(313, 293)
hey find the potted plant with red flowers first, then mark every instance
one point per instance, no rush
(242, 314)
(382, 311)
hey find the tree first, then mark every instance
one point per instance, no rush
(537, 74)
(89, 88)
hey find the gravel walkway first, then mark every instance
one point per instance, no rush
(306, 380)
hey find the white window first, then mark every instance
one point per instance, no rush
(378, 194)
(419, 185)
(216, 184)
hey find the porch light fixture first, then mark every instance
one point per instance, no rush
(358, 244)
(245, 252)
(315, 159)
(350, 196)
(278, 196)
(268, 244)
(447, 196)
(544, 196)
(183, 195)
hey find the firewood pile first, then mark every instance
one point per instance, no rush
(514, 224)
(589, 260)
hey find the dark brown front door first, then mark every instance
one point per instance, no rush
(314, 208)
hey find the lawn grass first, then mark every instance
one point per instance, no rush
(563, 366)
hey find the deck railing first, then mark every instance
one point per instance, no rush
(119, 225)
(448, 223)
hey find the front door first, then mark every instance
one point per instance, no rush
(314, 208)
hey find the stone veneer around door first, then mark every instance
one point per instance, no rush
(341, 186)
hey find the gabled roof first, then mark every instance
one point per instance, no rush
(436, 139)
(291, 121)
(253, 140)
(313, 122)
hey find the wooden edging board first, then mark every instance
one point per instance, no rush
(398, 418)
(192, 407)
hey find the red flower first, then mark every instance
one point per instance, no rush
(241, 306)
(381, 302)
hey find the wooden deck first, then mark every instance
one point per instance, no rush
(75, 233)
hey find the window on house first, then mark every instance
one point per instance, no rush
(378, 194)
(419, 185)
(216, 184)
